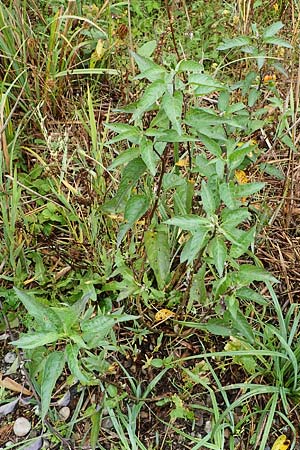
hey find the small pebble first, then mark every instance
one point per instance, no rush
(22, 426)
(46, 443)
(207, 426)
(107, 423)
(10, 357)
(64, 412)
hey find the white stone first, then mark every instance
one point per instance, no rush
(64, 412)
(10, 357)
(22, 426)
(207, 426)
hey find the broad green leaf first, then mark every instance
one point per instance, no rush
(146, 65)
(219, 327)
(125, 132)
(208, 199)
(239, 41)
(251, 295)
(100, 325)
(47, 319)
(272, 170)
(278, 41)
(135, 208)
(218, 252)
(272, 29)
(223, 101)
(190, 222)
(125, 157)
(130, 176)
(53, 368)
(72, 352)
(172, 105)
(158, 254)
(244, 190)
(243, 328)
(189, 66)
(211, 145)
(33, 340)
(226, 192)
(237, 156)
(194, 245)
(151, 94)
(245, 240)
(253, 96)
(232, 218)
(148, 155)
(198, 288)
(204, 84)
(147, 49)
(248, 273)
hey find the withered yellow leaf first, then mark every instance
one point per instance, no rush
(281, 443)
(182, 163)
(163, 314)
(241, 176)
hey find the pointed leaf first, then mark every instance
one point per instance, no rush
(149, 156)
(190, 222)
(158, 254)
(33, 340)
(208, 199)
(73, 363)
(53, 368)
(135, 208)
(46, 318)
(272, 29)
(239, 41)
(172, 105)
(218, 251)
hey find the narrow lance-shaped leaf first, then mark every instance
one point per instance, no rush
(218, 251)
(208, 199)
(158, 253)
(43, 314)
(172, 105)
(53, 368)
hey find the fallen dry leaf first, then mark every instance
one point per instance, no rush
(281, 443)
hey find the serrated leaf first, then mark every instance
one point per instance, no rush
(278, 41)
(148, 68)
(33, 340)
(208, 199)
(172, 104)
(232, 218)
(189, 222)
(189, 66)
(151, 94)
(272, 29)
(135, 208)
(242, 327)
(158, 254)
(130, 176)
(219, 327)
(248, 273)
(45, 317)
(244, 190)
(194, 245)
(223, 101)
(239, 41)
(53, 368)
(204, 84)
(148, 155)
(72, 361)
(218, 252)
(147, 49)
(125, 157)
(211, 145)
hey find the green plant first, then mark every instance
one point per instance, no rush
(75, 331)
